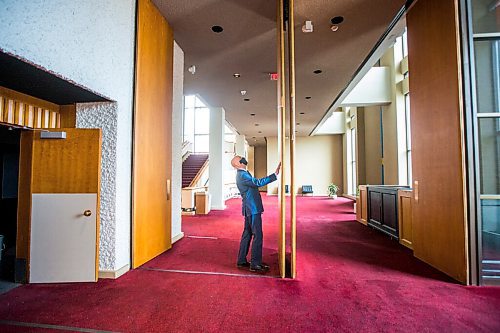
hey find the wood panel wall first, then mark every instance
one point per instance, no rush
(439, 223)
(27, 111)
(152, 157)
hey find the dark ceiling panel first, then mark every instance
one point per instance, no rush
(27, 78)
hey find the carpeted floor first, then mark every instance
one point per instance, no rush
(350, 279)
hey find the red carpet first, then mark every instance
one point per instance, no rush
(350, 279)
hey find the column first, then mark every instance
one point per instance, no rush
(216, 158)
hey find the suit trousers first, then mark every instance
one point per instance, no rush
(253, 229)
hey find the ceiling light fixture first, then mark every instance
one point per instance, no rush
(243, 92)
(302, 113)
(217, 29)
(335, 22)
(308, 97)
(252, 114)
(318, 71)
(236, 75)
(247, 99)
(307, 27)
(256, 124)
(260, 132)
(192, 69)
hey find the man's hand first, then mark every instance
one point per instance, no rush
(278, 169)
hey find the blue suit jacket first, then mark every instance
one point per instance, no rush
(249, 189)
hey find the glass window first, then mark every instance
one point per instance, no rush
(405, 44)
(196, 123)
(201, 143)
(489, 155)
(353, 163)
(189, 124)
(189, 101)
(485, 16)
(408, 139)
(487, 59)
(202, 121)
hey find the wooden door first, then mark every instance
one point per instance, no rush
(152, 167)
(58, 214)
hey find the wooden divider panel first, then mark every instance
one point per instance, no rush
(151, 204)
(439, 223)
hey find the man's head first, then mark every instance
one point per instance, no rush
(239, 162)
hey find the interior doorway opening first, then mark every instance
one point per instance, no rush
(9, 178)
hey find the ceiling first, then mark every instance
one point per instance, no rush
(248, 46)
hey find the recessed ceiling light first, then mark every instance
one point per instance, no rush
(318, 71)
(217, 29)
(302, 113)
(256, 124)
(247, 99)
(236, 75)
(298, 123)
(337, 20)
(252, 114)
(308, 97)
(253, 137)
(260, 132)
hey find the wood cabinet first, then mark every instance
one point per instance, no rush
(383, 208)
(362, 205)
(405, 207)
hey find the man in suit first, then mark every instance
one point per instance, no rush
(252, 210)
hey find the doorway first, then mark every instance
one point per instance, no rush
(9, 171)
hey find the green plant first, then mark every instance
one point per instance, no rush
(332, 190)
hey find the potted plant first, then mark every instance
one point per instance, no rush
(332, 191)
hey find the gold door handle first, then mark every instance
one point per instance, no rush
(168, 189)
(87, 213)
(415, 190)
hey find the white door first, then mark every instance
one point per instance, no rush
(63, 238)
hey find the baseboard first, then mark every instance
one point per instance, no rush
(104, 274)
(178, 237)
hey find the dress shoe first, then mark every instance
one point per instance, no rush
(266, 266)
(243, 265)
(259, 269)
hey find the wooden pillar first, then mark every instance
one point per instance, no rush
(291, 85)
(281, 136)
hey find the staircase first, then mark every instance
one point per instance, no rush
(191, 166)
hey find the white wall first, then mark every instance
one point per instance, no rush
(91, 43)
(335, 124)
(216, 162)
(104, 115)
(177, 111)
(319, 162)
(373, 89)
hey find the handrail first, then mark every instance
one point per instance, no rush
(186, 150)
(200, 173)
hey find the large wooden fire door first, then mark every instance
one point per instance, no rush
(152, 165)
